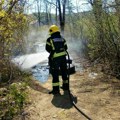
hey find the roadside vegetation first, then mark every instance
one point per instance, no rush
(13, 27)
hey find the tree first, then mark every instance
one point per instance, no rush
(12, 26)
(39, 11)
(62, 4)
(107, 32)
(117, 7)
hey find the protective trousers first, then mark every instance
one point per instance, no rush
(59, 64)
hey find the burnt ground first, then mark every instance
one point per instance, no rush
(96, 94)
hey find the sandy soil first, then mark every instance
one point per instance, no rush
(97, 95)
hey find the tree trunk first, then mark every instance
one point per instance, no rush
(47, 13)
(98, 13)
(62, 14)
(118, 12)
(56, 14)
(39, 8)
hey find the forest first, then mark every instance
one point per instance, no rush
(95, 24)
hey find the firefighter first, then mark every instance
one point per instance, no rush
(56, 46)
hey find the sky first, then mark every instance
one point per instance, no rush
(82, 5)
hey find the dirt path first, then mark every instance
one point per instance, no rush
(96, 94)
(98, 97)
(45, 106)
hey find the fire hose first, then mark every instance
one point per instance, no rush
(70, 95)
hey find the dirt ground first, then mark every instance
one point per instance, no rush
(96, 94)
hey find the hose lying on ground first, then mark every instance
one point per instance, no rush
(70, 95)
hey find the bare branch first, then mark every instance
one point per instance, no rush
(11, 7)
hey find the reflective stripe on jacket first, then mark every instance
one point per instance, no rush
(51, 48)
(57, 54)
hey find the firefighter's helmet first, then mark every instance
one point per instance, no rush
(53, 29)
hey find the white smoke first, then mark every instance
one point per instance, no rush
(39, 35)
(35, 37)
